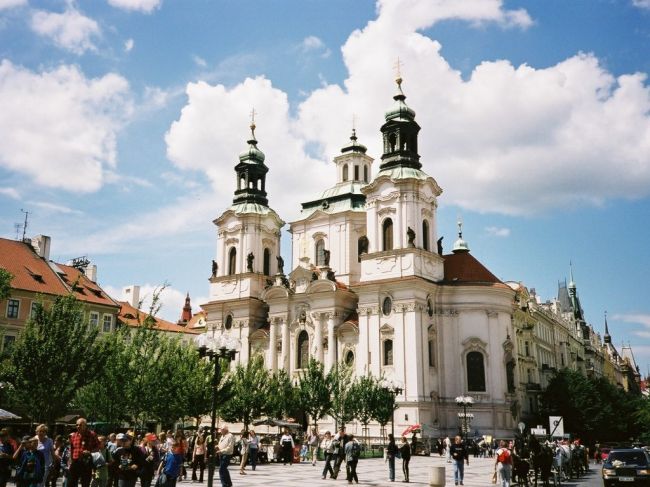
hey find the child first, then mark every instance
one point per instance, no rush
(304, 450)
(30, 463)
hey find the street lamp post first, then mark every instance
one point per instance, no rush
(395, 389)
(464, 402)
(215, 349)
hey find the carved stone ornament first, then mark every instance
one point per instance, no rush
(389, 210)
(232, 241)
(475, 344)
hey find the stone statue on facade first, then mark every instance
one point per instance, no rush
(215, 268)
(411, 237)
(280, 264)
(249, 261)
(326, 257)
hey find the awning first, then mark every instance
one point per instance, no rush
(6, 415)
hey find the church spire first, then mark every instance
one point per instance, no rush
(607, 337)
(251, 172)
(186, 315)
(400, 133)
(460, 245)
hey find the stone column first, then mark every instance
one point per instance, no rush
(273, 348)
(285, 344)
(331, 341)
(318, 336)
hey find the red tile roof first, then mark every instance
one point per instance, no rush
(31, 272)
(83, 288)
(463, 268)
(133, 317)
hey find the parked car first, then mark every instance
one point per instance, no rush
(626, 466)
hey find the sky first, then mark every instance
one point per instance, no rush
(121, 122)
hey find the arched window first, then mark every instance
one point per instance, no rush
(510, 375)
(388, 352)
(425, 235)
(228, 323)
(320, 252)
(365, 174)
(345, 172)
(362, 247)
(387, 231)
(392, 142)
(475, 372)
(303, 349)
(356, 172)
(232, 261)
(267, 262)
(349, 358)
(432, 353)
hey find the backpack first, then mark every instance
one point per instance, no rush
(355, 451)
(504, 456)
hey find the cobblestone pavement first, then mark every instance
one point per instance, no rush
(372, 472)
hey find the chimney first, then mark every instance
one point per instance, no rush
(41, 245)
(131, 294)
(91, 272)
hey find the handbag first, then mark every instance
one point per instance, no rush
(494, 477)
(161, 480)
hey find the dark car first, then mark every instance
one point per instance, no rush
(626, 466)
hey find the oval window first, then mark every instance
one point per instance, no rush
(228, 324)
(387, 306)
(349, 357)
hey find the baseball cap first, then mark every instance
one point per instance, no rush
(120, 436)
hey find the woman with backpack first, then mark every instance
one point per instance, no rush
(503, 465)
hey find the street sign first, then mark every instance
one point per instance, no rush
(556, 426)
(538, 431)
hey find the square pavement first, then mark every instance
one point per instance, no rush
(371, 472)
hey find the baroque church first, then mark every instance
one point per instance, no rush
(368, 284)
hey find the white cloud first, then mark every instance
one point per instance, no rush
(641, 3)
(128, 45)
(498, 231)
(315, 44)
(171, 300)
(146, 6)
(11, 3)
(634, 318)
(54, 208)
(199, 61)
(10, 193)
(60, 127)
(70, 30)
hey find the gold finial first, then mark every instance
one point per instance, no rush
(253, 113)
(398, 71)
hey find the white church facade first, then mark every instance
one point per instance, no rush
(368, 284)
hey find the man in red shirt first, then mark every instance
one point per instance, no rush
(83, 442)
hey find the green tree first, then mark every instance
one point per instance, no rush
(249, 387)
(280, 401)
(362, 394)
(52, 359)
(196, 389)
(5, 283)
(314, 391)
(340, 380)
(383, 405)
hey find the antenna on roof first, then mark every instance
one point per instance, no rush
(25, 224)
(17, 228)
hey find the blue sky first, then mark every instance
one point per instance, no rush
(121, 121)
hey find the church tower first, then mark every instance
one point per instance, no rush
(401, 205)
(248, 247)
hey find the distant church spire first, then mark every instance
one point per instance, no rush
(400, 133)
(186, 315)
(607, 337)
(251, 172)
(460, 245)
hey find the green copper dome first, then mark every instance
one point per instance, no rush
(400, 110)
(252, 153)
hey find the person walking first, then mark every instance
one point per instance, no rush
(352, 454)
(6, 455)
(391, 453)
(287, 445)
(326, 445)
(405, 453)
(314, 441)
(253, 448)
(83, 443)
(503, 464)
(459, 456)
(30, 465)
(225, 448)
(169, 469)
(447, 443)
(199, 458)
(244, 452)
(46, 447)
(151, 459)
(340, 440)
(129, 460)
(100, 459)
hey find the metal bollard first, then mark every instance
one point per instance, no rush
(437, 477)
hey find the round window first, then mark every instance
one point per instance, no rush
(429, 307)
(228, 324)
(387, 306)
(349, 357)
